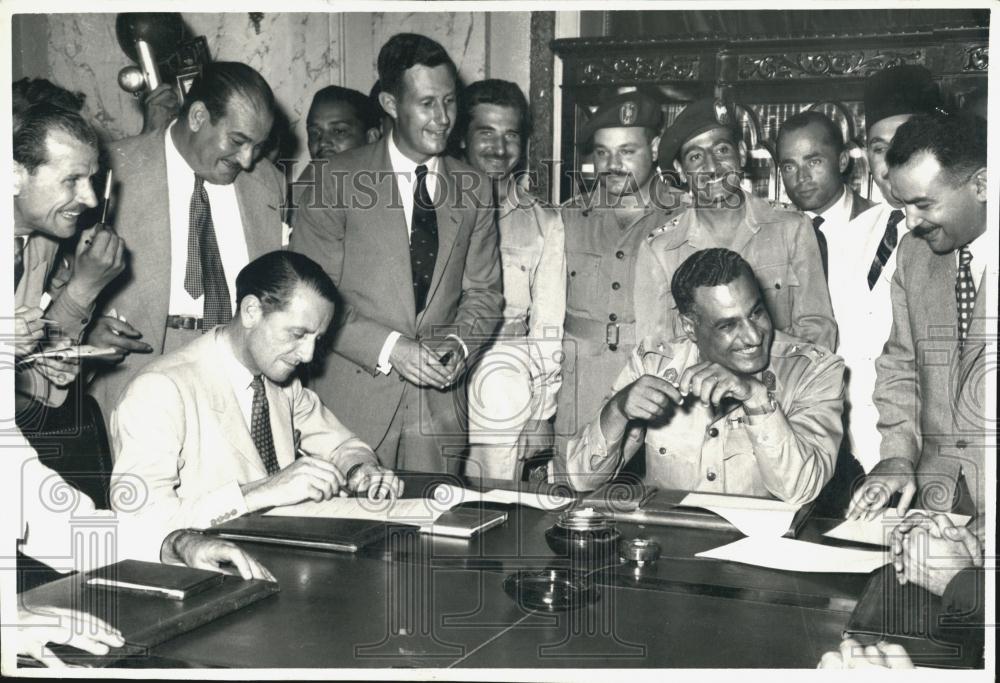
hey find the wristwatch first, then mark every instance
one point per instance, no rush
(768, 408)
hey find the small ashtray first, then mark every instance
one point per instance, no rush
(550, 590)
(640, 551)
(585, 535)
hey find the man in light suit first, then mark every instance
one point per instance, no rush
(187, 245)
(930, 440)
(409, 238)
(222, 427)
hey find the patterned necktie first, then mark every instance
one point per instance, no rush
(821, 239)
(423, 239)
(18, 261)
(204, 273)
(260, 426)
(885, 247)
(965, 293)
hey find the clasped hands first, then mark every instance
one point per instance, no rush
(648, 397)
(427, 364)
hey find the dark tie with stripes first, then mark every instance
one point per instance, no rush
(204, 273)
(821, 239)
(260, 426)
(885, 247)
(423, 239)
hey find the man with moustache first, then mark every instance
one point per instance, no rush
(55, 158)
(409, 238)
(812, 161)
(604, 228)
(734, 407)
(512, 391)
(223, 427)
(197, 205)
(930, 389)
(339, 119)
(706, 150)
(863, 253)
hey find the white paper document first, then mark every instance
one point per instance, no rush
(447, 494)
(752, 516)
(417, 511)
(798, 556)
(878, 530)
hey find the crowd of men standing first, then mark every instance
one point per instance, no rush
(429, 313)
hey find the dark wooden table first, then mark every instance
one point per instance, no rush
(418, 601)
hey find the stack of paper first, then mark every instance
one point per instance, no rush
(752, 516)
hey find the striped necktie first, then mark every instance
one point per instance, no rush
(889, 239)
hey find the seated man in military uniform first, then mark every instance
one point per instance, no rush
(733, 407)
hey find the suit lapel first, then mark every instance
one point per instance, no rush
(281, 424)
(151, 171)
(261, 231)
(224, 405)
(449, 220)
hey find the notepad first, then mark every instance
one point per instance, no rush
(798, 556)
(878, 530)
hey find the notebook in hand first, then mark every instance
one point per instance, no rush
(165, 580)
(911, 616)
(343, 535)
(144, 619)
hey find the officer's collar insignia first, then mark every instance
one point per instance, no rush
(628, 113)
(770, 383)
(721, 113)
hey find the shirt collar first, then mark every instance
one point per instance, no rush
(840, 211)
(402, 164)
(175, 161)
(239, 376)
(980, 250)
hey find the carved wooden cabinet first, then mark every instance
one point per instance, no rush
(771, 78)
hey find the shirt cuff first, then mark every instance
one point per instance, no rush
(384, 365)
(465, 349)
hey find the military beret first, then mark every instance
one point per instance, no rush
(697, 117)
(905, 89)
(628, 110)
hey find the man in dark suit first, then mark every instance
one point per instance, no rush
(196, 205)
(410, 240)
(930, 439)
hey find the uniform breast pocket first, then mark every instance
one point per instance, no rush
(779, 286)
(517, 270)
(583, 271)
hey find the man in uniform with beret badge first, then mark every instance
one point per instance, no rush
(705, 148)
(603, 231)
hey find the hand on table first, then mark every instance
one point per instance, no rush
(39, 626)
(930, 551)
(205, 552)
(375, 482)
(887, 477)
(852, 655)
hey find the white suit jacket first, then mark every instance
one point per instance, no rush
(181, 441)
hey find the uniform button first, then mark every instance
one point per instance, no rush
(619, 254)
(616, 285)
(612, 317)
(663, 451)
(777, 285)
(713, 432)
(613, 347)
(711, 475)
(961, 445)
(572, 273)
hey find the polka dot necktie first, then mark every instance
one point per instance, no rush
(885, 247)
(204, 273)
(260, 426)
(821, 239)
(423, 239)
(965, 293)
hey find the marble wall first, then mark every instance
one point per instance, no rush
(297, 53)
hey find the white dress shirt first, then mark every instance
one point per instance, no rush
(864, 317)
(980, 249)
(225, 218)
(405, 171)
(239, 376)
(835, 218)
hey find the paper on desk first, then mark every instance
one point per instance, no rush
(752, 516)
(450, 495)
(876, 531)
(417, 511)
(798, 556)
